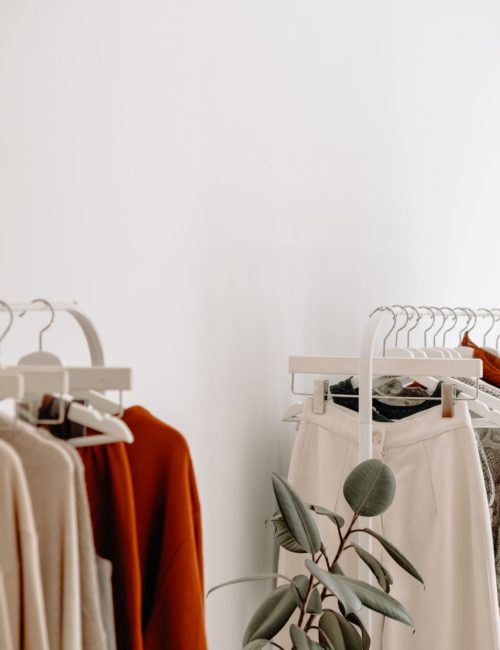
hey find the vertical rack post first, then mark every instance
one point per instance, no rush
(365, 450)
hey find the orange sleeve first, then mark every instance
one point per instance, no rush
(169, 535)
(491, 363)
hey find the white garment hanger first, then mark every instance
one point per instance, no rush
(292, 413)
(488, 408)
(465, 351)
(15, 382)
(81, 382)
(408, 352)
(485, 347)
(485, 405)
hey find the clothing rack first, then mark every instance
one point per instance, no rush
(367, 365)
(40, 373)
(82, 523)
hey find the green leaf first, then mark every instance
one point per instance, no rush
(396, 555)
(301, 641)
(314, 604)
(257, 576)
(299, 638)
(296, 515)
(337, 586)
(370, 488)
(326, 643)
(376, 600)
(284, 537)
(339, 632)
(388, 578)
(384, 578)
(299, 588)
(332, 516)
(258, 644)
(365, 637)
(336, 569)
(273, 612)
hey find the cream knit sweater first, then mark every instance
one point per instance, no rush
(50, 476)
(22, 612)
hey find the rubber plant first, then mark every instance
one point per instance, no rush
(307, 598)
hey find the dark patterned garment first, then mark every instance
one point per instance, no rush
(490, 441)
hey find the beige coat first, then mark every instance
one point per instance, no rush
(93, 631)
(50, 475)
(22, 611)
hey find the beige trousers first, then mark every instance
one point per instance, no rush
(439, 520)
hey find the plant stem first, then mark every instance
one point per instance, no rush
(306, 597)
(339, 529)
(323, 553)
(344, 540)
(276, 645)
(324, 591)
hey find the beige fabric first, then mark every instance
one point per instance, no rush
(6, 642)
(22, 597)
(439, 519)
(104, 572)
(93, 631)
(51, 480)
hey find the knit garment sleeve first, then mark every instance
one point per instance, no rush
(169, 534)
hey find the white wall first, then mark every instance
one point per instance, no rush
(223, 183)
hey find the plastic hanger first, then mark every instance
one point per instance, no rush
(480, 403)
(465, 351)
(454, 318)
(485, 335)
(497, 340)
(418, 353)
(43, 358)
(292, 413)
(111, 428)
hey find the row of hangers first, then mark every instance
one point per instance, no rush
(41, 373)
(483, 399)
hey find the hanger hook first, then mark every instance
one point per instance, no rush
(498, 337)
(403, 325)
(439, 328)
(473, 316)
(417, 321)
(454, 315)
(433, 316)
(11, 320)
(468, 314)
(381, 308)
(44, 329)
(490, 313)
(394, 319)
